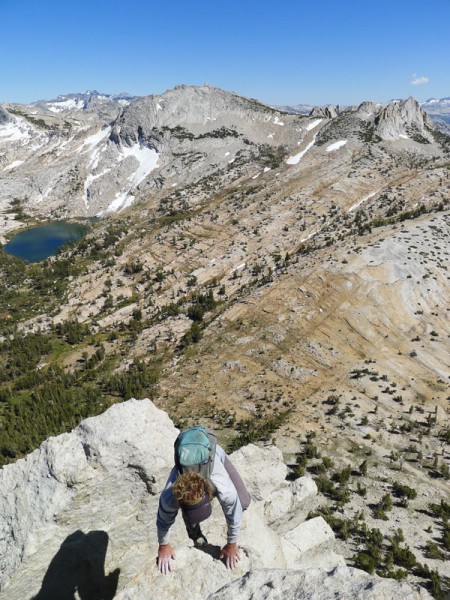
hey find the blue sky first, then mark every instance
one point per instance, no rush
(333, 51)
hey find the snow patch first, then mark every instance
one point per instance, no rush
(238, 268)
(313, 124)
(336, 145)
(255, 176)
(227, 153)
(13, 165)
(17, 130)
(121, 201)
(402, 135)
(294, 160)
(44, 195)
(266, 169)
(362, 200)
(270, 136)
(147, 159)
(63, 145)
(63, 105)
(95, 139)
(277, 121)
(47, 192)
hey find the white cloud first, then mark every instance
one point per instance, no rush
(419, 80)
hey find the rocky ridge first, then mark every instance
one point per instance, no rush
(156, 141)
(72, 147)
(403, 120)
(78, 514)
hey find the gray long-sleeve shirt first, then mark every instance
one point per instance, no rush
(226, 494)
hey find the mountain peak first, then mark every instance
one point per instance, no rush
(403, 119)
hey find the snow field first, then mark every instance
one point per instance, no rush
(294, 160)
(336, 145)
(313, 124)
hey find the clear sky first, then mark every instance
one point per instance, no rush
(316, 52)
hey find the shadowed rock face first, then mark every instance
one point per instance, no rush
(78, 514)
(4, 116)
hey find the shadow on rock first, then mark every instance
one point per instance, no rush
(79, 567)
(210, 549)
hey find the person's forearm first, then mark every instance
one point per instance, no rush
(233, 518)
(163, 537)
(164, 521)
(232, 538)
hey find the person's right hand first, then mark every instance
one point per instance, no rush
(165, 554)
(230, 555)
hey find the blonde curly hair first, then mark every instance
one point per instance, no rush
(190, 488)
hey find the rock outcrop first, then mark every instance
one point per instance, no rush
(79, 514)
(404, 119)
(4, 116)
(366, 109)
(325, 112)
(342, 583)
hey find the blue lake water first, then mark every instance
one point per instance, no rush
(43, 241)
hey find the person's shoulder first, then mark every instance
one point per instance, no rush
(220, 452)
(171, 480)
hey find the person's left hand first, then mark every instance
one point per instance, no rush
(165, 554)
(230, 555)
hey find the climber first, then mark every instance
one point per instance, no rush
(202, 471)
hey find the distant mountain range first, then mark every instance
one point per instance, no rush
(105, 152)
(439, 110)
(83, 101)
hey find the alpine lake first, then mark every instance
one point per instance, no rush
(38, 243)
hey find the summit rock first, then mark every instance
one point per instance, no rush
(403, 119)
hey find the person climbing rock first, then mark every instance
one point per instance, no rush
(202, 471)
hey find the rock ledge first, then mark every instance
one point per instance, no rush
(78, 520)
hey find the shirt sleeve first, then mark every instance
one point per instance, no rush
(167, 509)
(227, 496)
